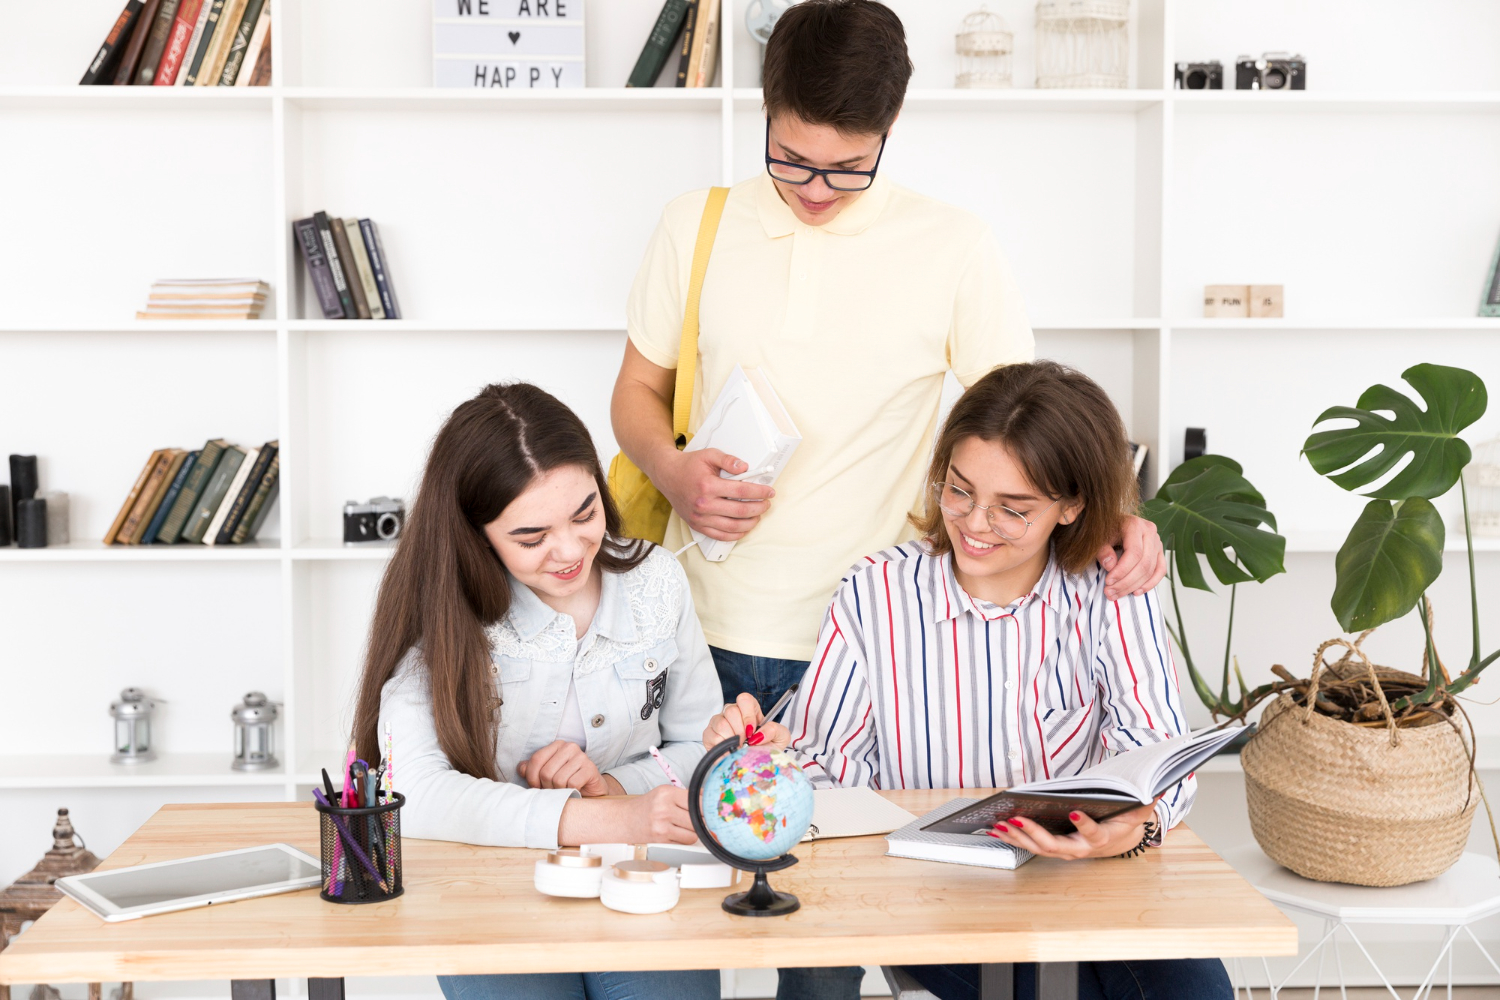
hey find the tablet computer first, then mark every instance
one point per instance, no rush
(143, 890)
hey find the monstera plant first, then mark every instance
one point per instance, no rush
(1207, 508)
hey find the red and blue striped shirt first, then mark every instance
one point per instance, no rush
(916, 684)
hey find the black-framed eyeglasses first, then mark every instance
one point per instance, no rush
(1010, 524)
(839, 180)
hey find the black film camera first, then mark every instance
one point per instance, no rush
(1272, 71)
(380, 520)
(1199, 76)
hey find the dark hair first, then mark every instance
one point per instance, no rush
(1062, 429)
(838, 62)
(445, 583)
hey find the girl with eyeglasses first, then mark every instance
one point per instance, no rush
(986, 653)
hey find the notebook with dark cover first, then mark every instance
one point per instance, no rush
(351, 272)
(659, 44)
(102, 66)
(1112, 786)
(241, 501)
(139, 34)
(192, 489)
(169, 499)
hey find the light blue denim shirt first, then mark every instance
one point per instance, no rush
(644, 678)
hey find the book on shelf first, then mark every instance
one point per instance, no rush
(659, 44)
(335, 265)
(346, 262)
(698, 53)
(347, 266)
(102, 67)
(380, 266)
(131, 58)
(747, 421)
(219, 495)
(242, 495)
(258, 52)
(169, 499)
(202, 43)
(205, 298)
(192, 489)
(156, 43)
(177, 42)
(239, 43)
(361, 258)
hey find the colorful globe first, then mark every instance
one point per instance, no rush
(757, 803)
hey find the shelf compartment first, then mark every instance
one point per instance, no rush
(76, 97)
(953, 99)
(695, 99)
(1294, 101)
(326, 549)
(143, 326)
(169, 770)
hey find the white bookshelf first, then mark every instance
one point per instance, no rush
(514, 222)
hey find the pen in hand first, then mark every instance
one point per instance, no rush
(666, 767)
(753, 735)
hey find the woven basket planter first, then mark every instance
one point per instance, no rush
(1338, 802)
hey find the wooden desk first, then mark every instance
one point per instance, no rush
(473, 910)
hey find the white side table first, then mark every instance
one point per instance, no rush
(1467, 892)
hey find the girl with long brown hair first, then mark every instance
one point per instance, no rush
(986, 653)
(524, 660)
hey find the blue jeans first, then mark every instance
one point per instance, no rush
(767, 678)
(1176, 979)
(695, 985)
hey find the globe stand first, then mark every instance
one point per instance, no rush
(760, 900)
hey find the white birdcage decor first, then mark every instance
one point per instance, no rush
(984, 47)
(1482, 480)
(1082, 43)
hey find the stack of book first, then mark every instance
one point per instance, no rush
(186, 43)
(348, 267)
(217, 495)
(205, 298)
(690, 28)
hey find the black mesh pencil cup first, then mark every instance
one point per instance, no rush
(362, 850)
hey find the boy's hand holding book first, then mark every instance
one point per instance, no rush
(745, 720)
(720, 508)
(1105, 839)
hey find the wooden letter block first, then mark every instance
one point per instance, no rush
(1265, 301)
(1226, 301)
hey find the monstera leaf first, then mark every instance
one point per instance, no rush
(1392, 554)
(1207, 506)
(1455, 398)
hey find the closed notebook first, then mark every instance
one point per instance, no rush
(854, 812)
(260, 500)
(747, 421)
(145, 504)
(135, 493)
(211, 535)
(213, 494)
(192, 489)
(912, 841)
(238, 502)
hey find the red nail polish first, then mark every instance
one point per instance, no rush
(1016, 823)
(748, 731)
(756, 739)
(1075, 817)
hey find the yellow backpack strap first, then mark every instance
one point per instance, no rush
(687, 352)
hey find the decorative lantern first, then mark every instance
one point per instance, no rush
(1482, 480)
(1082, 43)
(984, 47)
(33, 894)
(132, 714)
(254, 733)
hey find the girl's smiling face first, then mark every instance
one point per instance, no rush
(989, 564)
(549, 535)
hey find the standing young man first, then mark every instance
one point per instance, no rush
(855, 298)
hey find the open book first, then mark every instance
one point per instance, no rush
(1113, 786)
(853, 812)
(747, 421)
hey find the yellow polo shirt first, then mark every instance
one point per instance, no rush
(854, 323)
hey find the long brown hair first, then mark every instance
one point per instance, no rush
(445, 583)
(1062, 429)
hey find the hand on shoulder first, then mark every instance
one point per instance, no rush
(1141, 564)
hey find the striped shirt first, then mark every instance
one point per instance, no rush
(915, 684)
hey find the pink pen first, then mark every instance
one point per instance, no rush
(662, 762)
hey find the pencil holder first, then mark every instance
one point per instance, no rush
(362, 851)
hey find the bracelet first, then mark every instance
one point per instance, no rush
(1146, 835)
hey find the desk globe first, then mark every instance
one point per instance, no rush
(749, 805)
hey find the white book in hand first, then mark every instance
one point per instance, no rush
(918, 840)
(1112, 786)
(748, 422)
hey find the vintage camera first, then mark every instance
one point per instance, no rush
(1199, 76)
(379, 520)
(1272, 71)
